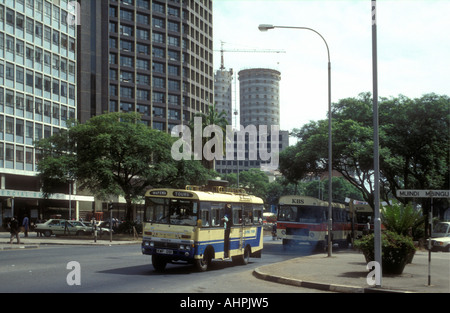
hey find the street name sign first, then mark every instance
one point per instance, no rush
(411, 193)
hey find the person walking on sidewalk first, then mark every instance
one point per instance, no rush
(26, 225)
(14, 230)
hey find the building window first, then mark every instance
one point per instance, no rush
(126, 15)
(143, 109)
(157, 38)
(126, 77)
(126, 107)
(158, 52)
(174, 41)
(143, 94)
(143, 64)
(159, 82)
(142, 79)
(126, 92)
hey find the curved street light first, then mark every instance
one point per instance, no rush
(266, 27)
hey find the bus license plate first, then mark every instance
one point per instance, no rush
(164, 251)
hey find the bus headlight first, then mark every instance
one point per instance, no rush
(185, 247)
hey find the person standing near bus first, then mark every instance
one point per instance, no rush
(227, 226)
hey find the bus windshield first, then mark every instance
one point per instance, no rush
(171, 211)
(303, 214)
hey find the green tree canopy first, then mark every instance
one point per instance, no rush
(113, 154)
(213, 117)
(414, 144)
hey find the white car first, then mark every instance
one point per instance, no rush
(440, 243)
(440, 237)
(442, 229)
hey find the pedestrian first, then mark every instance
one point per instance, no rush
(14, 230)
(227, 226)
(26, 225)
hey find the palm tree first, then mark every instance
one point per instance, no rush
(212, 117)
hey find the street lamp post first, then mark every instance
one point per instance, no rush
(265, 27)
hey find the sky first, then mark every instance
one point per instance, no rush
(413, 47)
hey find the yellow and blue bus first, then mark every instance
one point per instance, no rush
(188, 225)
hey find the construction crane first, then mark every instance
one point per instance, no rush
(222, 50)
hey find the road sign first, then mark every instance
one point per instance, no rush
(411, 193)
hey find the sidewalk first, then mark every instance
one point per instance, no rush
(345, 271)
(32, 241)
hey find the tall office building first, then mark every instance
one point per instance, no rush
(37, 96)
(154, 57)
(259, 96)
(223, 97)
(259, 105)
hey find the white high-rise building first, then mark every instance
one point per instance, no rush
(37, 97)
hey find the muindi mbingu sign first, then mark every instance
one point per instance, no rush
(411, 193)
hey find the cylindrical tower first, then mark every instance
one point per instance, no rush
(259, 97)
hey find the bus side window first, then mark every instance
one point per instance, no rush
(248, 214)
(204, 216)
(215, 217)
(257, 215)
(237, 215)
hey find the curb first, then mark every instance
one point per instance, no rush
(321, 286)
(11, 247)
(8, 246)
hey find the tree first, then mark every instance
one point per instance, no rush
(342, 189)
(414, 145)
(417, 132)
(254, 181)
(111, 154)
(212, 118)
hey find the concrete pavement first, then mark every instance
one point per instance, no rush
(345, 271)
(32, 241)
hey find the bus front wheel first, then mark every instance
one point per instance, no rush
(159, 263)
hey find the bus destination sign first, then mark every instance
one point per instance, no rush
(183, 194)
(158, 193)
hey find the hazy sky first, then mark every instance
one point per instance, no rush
(413, 48)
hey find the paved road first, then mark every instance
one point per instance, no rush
(124, 269)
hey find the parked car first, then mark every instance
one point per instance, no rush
(442, 229)
(440, 244)
(61, 227)
(101, 230)
(440, 237)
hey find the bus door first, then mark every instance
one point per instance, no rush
(238, 231)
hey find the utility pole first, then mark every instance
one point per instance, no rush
(376, 153)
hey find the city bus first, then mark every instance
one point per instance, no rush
(362, 218)
(305, 219)
(188, 225)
